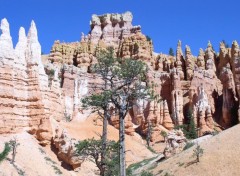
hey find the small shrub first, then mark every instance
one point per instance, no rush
(164, 135)
(41, 150)
(19, 171)
(50, 160)
(57, 170)
(151, 149)
(188, 145)
(180, 164)
(198, 152)
(14, 144)
(136, 166)
(51, 72)
(5, 152)
(67, 117)
(146, 173)
(171, 52)
(167, 174)
(148, 38)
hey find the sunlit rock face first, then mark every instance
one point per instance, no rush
(27, 102)
(204, 87)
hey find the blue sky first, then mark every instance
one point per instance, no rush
(165, 21)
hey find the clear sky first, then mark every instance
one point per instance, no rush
(165, 21)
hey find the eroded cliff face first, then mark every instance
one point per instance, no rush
(27, 102)
(206, 86)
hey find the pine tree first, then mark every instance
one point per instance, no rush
(124, 82)
(100, 101)
(171, 52)
(125, 88)
(192, 134)
(5, 152)
(197, 152)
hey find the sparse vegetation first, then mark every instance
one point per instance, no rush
(151, 149)
(164, 135)
(171, 52)
(14, 144)
(167, 174)
(189, 129)
(136, 166)
(67, 117)
(198, 152)
(148, 38)
(41, 150)
(51, 72)
(20, 171)
(5, 152)
(192, 134)
(49, 160)
(188, 145)
(146, 173)
(180, 164)
(225, 43)
(149, 133)
(57, 170)
(92, 148)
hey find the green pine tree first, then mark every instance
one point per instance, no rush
(192, 134)
(5, 152)
(171, 52)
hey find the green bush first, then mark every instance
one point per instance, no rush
(51, 72)
(171, 52)
(5, 152)
(146, 173)
(148, 38)
(91, 148)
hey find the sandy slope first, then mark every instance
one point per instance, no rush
(30, 158)
(35, 160)
(221, 157)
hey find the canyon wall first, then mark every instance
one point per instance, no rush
(26, 100)
(205, 87)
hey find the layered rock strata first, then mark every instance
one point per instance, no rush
(26, 100)
(207, 86)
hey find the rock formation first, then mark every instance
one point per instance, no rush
(175, 142)
(26, 100)
(32, 93)
(66, 148)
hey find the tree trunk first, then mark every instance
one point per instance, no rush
(122, 143)
(104, 141)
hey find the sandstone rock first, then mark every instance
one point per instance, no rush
(175, 142)
(30, 97)
(179, 60)
(189, 63)
(27, 101)
(200, 59)
(66, 148)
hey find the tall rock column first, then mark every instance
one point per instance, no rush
(179, 60)
(200, 59)
(96, 32)
(235, 60)
(177, 98)
(229, 95)
(108, 29)
(189, 62)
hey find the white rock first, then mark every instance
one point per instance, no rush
(6, 45)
